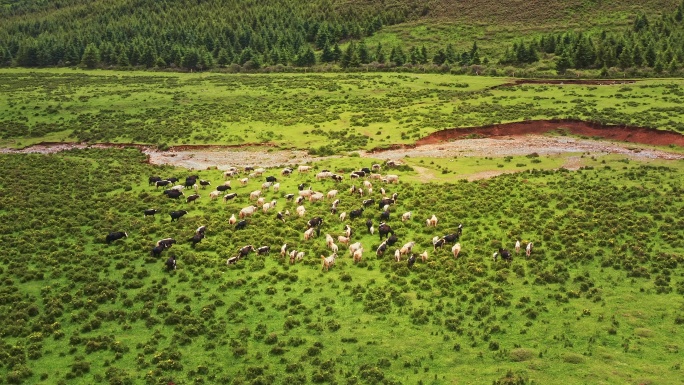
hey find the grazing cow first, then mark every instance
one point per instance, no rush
(171, 263)
(289, 197)
(243, 252)
(411, 261)
(392, 178)
(197, 238)
(407, 248)
(376, 176)
(267, 206)
(432, 222)
(260, 202)
(385, 216)
(308, 234)
(232, 219)
(306, 193)
(244, 181)
(406, 216)
(190, 181)
(343, 240)
(353, 247)
(369, 224)
(247, 211)
(355, 213)
(381, 249)
(276, 187)
(192, 198)
(231, 171)
(367, 184)
(254, 195)
(280, 216)
(301, 210)
(357, 255)
(150, 212)
(329, 240)
(223, 188)
(162, 183)
(264, 250)
(505, 255)
(173, 194)
(153, 179)
(397, 255)
(201, 230)
(111, 237)
(283, 250)
(384, 230)
(366, 170)
(300, 255)
(286, 172)
(299, 200)
(232, 260)
(424, 256)
(347, 231)
(451, 237)
(376, 167)
(528, 249)
(214, 195)
(315, 197)
(331, 194)
(228, 197)
(259, 171)
(392, 240)
(271, 179)
(266, 185)
(157, 251)
(456, 250)
(328, 261)
(314, 222)
(177, 214)
(371, 230)
(353, 175)
(384, 202)
(438, 243)
(300, 187)
(241, 225)
(335, 203)
(337, 178)
(368, 202)
(304, 169)
(323, 175)
(334, 248)
(359, 174)
(166, 242)
(517, 246)
(204, 183)
(343, 216)
(178, 187)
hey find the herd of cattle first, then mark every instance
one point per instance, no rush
(314, 224)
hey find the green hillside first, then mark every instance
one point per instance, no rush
(248, 35)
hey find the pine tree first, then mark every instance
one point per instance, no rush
(625, 59)
(223, 57)
(451, 56)
(91, 56)
(122, 60)
(191, 59)
(673, 66)
(563, 63)
(397, 56)
(327, 55)
(363, 53)
(637, 56)
(337, 53)
(380, 54)
(423, 55)
(439, 58)
(650, 55)
(348, 55)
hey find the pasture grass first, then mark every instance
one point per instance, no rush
(325, 113)
(602, 289)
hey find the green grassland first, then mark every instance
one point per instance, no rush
(599, 301)
(327, 113)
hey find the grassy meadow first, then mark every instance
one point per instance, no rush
(598, 301)
(325, 113)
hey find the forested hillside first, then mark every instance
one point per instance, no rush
(483, 37)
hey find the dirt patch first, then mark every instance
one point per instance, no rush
(576, 127)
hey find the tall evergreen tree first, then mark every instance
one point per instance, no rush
(363, 53)
(380, 54)
(91, 56)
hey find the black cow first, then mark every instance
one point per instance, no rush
(173, 194)
(368, 202)
(201, 230)
(366, 170)
(369, 224)
(355, 213)
(166, 242)
(172, 179)
(337, 178)
(505, 255)
(150, 212)
(245, 250)
(280, 216)
(392, 240)
(360, 174)
(157, 251)
(289, 197)
(249, 168)
(204, 183)
(171, 263)
(162, 183)
(411, 260)
(177, 214)
(314, 222)
(385, 229)
(189, 181)
(381, 249)
(111, 237)
(395, 196)
(229, 196)
(333, 210)
(223, 188)
(385, 216)
(264, 250)
(233, 260)
(271, 179)
(197, 238)
(241, 225)
(301, 187)
(459, 231)
(451, 237)
(153, 179)
(385, 201)
(192, 198)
